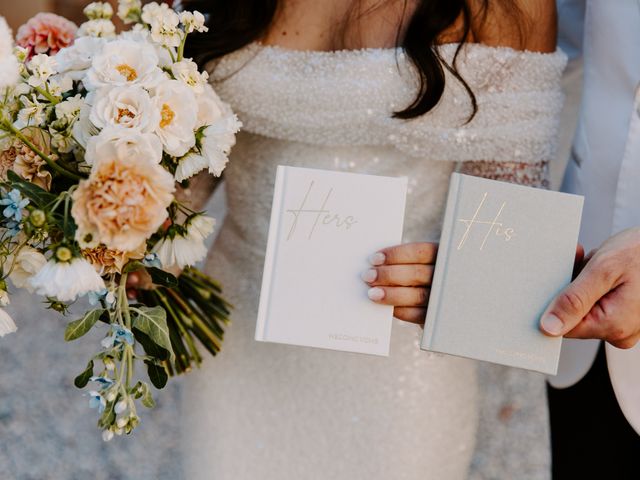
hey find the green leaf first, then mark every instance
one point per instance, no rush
(153, 323)
(160, 277)
(147, 398)
(82, 379)
(38, 196)
(157, 374)
(78, 328)
(150, 348)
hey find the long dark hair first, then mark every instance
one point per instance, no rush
(234, 24)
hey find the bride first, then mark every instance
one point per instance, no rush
(388, 87)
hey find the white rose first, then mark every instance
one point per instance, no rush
(128, 107)
(126, 144)
(178, 117)
(124, 62)
(76, 59)
(210, 107)
(28, 262)
(187, 72)
(143, 35)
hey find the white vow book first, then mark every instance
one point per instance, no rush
(324, 225)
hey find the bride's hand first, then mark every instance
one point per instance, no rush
(401, 276)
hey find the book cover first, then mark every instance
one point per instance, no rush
(324, 225)
(506, 250)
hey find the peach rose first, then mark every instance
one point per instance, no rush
(124, 200)
(46, 33)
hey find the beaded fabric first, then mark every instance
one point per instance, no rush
(353, 95)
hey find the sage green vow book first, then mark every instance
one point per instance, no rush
(505, 252)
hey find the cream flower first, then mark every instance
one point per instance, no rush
(42, 67)
(193, 21)
(96, 10)
(163, 22)
(124, 200)
(128, 107)
(178, 116)
(76, 59)
(99, 28)
(26, 264)
(218, 138)
(69, 109)
(66, 281)
(83, 130)
(124, 62)
(126, 144)
(186, 250)
(7, 325)
(187, 72)
(129, 10)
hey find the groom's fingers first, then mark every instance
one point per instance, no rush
(400, 296)
(577, 300)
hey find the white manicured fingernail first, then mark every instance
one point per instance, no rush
(377, 258)
(551, 324)
(369, 276)
(376, 294)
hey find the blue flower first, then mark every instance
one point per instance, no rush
(102, 295)
(152, 260)
(97, 401)
(14, 204)
(103, 381)
(119, 335)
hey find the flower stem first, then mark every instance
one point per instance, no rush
(53, 165)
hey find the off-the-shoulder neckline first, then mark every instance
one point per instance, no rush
(393, 50)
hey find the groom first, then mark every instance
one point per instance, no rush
(595, 399)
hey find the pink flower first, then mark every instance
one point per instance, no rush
(46, 33)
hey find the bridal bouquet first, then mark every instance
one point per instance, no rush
(97, 131)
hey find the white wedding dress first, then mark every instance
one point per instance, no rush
(261, 411)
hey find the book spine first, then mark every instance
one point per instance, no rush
(439, 274)
(271, 254)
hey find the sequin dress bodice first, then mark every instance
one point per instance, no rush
(281, 412)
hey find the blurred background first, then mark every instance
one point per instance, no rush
(47, 430)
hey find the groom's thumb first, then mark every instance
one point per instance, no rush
(574, 302)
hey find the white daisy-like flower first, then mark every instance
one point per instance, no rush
(27, 263)
(124, 144)
(193, 21)
(124, 62)
(100, 28)
(66, 281)
(178, 116)
(42, 67)
(127, 107)
(186, 250)
(7, 325)
(9, 67)
(76, 59)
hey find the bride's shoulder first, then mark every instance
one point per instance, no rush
(519, 24)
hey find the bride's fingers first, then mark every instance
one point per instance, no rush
(407, 253)
(410, 314)
(399, 275)
(400, 296)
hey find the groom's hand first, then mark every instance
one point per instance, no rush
(401, 276)
(604, 300)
